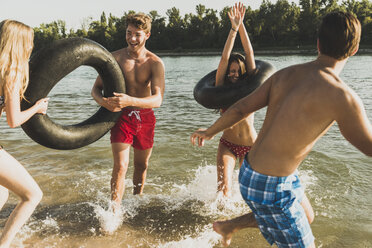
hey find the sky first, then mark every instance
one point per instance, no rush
(77, 12)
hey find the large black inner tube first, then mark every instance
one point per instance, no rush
(217, 97)
(48, 66)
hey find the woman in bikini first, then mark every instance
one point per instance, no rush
(235, 142)
(16, 43)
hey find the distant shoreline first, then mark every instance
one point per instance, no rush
(261, 51)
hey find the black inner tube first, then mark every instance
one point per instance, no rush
(48, 66)
(221, 97)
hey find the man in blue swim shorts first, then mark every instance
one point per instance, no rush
(303, 101)
(276, 204)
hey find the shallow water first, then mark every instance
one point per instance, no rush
(180, 202)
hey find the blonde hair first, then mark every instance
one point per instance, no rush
(16, 43)
(141, 21)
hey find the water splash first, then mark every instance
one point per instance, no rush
(109, 219)
(203, 188)
(180, 216)
(206, 239)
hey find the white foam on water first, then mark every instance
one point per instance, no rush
(308, 179)
(206, 238)
(204, 188)
(200, 194)
(201, 191)
(109, 220)
(311, 185)
(32, 227)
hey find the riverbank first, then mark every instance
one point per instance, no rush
(258, 51)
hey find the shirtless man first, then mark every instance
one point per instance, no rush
(303, 101)
(144, 81)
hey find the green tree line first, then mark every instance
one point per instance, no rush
(271, 25)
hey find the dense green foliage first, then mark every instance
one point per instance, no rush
(274, 25)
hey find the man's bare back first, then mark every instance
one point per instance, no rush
(303, 103)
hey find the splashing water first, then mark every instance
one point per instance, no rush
(164, 213)
(109, 220)
(207, 238)
(179, 218)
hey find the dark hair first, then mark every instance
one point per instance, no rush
(339, 35)
(240, 59)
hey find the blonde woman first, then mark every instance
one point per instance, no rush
(16, 43)
(236, 141)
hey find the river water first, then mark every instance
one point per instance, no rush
(179, 203)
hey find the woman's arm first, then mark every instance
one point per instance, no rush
(236, 20)
(15, 117)
(247, 46)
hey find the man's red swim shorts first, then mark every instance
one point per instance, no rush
(135, 127)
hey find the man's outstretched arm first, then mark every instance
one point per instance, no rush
(240, 110)
(353, 122)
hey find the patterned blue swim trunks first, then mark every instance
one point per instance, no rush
(276, 204)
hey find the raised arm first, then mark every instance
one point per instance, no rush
(234, 114)
(353, 122)
(247, 46)
(236, 20)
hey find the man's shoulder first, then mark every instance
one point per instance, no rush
(118, 53)
(291, 72)
(290, 69)
(154, 59)
(336, 90)
(342, 91)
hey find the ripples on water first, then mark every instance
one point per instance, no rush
(180, 203)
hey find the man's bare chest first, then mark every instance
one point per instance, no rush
(137, 79)
(138, 73)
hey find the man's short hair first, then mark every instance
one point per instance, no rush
(141, 21)
(339, 35)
